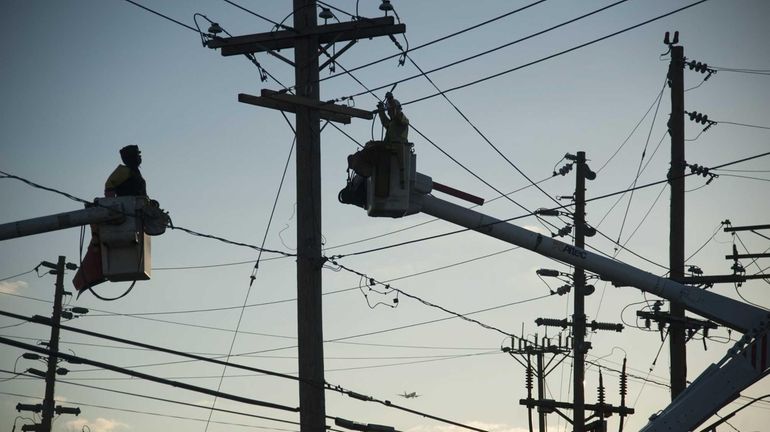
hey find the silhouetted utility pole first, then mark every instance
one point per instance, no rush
(309, 40)
(579, 315)
(539, 349)
(677, 335)
(578, 324)
(53, 345)
(580, 347)
(48, 407)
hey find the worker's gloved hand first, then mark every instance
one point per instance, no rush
(380, 106)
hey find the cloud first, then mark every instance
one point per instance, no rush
(12, 287)
(98, 425)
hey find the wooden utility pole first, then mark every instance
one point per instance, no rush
(677, 336)
(308, 39)
(53, 346)
(309, 313)
(580, 347)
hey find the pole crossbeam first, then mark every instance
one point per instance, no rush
(339, 32)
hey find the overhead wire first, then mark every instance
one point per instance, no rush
(172, 226)
(81, 360)
(497, 48)
(162, 15)
(641, 160)
(507, 71)
(596, 198)
(156, 414)
(743, 124)
(166, 400)
(429, 43)
(252, 278)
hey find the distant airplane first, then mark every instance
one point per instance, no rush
(411, 395)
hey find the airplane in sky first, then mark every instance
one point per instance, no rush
(411, 395)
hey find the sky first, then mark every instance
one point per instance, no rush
(83, 78)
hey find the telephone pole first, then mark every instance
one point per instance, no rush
(309, 313)
(677, 334)
(580, 347)
(53, 345)
(309, 40)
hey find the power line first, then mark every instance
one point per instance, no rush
(654, 103)
(20, 274)
(463, 60)
(186, 230)
(597, 198)
(134, 411)
(457, 33)
(163, 16)
(505, 72)
(76, 359)
(341, 369)
(171, 401)
(743, 124)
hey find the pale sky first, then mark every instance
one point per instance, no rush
(81, 79)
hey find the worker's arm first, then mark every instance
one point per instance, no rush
(383, 117)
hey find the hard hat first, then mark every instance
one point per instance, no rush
(129, 150)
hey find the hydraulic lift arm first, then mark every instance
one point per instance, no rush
(744, 364)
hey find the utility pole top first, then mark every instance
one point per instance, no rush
(330, 33)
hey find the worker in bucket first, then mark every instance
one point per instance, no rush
(125, 180)
(376, 154)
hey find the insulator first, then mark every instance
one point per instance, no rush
(529, 378)
(606, 326)
(551, 322)
(623, 382)
(600, 390)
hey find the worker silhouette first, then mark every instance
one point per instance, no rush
(374, 158)
(125, 180)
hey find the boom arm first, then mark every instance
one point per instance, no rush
(744, 364)
(43, 224)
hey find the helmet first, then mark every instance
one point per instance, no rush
(131, 155)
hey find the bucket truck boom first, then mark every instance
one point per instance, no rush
(124, 225)
(743, 365)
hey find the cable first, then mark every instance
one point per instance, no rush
(427, 43)
(20, 274)
(463, 60)
(163, 16)
(745, 177)
(743, 124)
(173, 227)
(712, 427)
(597, 198)
(489, 77)
(160, 399)
(655, 102)
(254, 270)
(427, 303)
(189, 387)
(639, 168)
(277, 25)
(133, 411)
